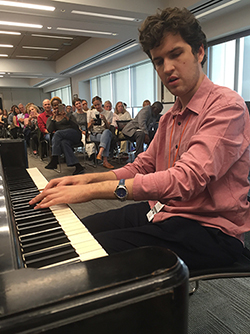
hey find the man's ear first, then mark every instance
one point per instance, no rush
(201, 53)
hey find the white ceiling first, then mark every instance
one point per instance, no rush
(75, 46)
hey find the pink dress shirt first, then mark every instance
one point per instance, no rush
(209, 162)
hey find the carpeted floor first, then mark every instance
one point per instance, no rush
(220, 306)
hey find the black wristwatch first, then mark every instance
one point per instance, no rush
(121, 191)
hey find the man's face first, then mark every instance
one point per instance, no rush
(85, 105)
(21, 107)
(178, 68)
(47, 106)
(78, 105)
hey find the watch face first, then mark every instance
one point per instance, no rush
(121, 192)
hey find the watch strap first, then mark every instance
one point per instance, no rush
(122, 182)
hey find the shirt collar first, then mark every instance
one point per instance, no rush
(198, 100)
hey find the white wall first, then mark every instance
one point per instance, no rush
(112, 65)
(12, 96)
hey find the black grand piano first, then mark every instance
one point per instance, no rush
(139, 291)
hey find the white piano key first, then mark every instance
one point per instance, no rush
(81, 239)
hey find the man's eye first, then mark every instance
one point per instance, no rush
(176, 55)
(158, 63)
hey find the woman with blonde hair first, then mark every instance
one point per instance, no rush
(31, 126)
(120, 114)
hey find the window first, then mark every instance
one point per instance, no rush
(222, 64)
(244, 68)
(121, 86)
(229, 65)
(143, 84)
(131, 85)
(64, 93)
(105, 91)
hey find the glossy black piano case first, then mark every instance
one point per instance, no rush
(139, 291)
(13, 153)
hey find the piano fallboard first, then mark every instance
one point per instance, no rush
(144, 290)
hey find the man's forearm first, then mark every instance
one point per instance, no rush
(99, 177)
(106, 189)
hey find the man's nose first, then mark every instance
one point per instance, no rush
(168, 66)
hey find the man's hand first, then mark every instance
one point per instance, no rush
(61, 195)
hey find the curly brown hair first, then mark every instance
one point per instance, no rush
(175, 21)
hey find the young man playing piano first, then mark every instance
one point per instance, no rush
(194, 173)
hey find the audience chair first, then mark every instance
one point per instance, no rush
(120, 137)
(241, 268)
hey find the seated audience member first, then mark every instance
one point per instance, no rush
(82, 119)
(120, 114)
(4, 124)
(31, 124)
(100, 120)
(26, 130)
(138, 128)
(42, 119)
(146, 103)
(85, 107)
(193, 174)
(66, 134)
(11, 115)
(80, 115)
(69, 109)
(22, 115)
(15, 128)
(108, 106)
(90, 147)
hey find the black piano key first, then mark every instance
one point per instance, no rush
(22, 212)
(42, 240)
(37, 228)
(44, 235)
(38, 221)
(44, 244)
(31, 217)
(20, 186)
(49, 257)
(23, 192)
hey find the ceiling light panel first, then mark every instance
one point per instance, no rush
(107, 16)
(39, 48)
(3, 55)
(88, 31)
(26, 5)
(50, 36)
(20, 24)
(6, 46)
(9, 33)
(33, 57)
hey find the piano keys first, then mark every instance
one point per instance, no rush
(47, 237)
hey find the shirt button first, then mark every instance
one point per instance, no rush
(179, 123)
(176, 146)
